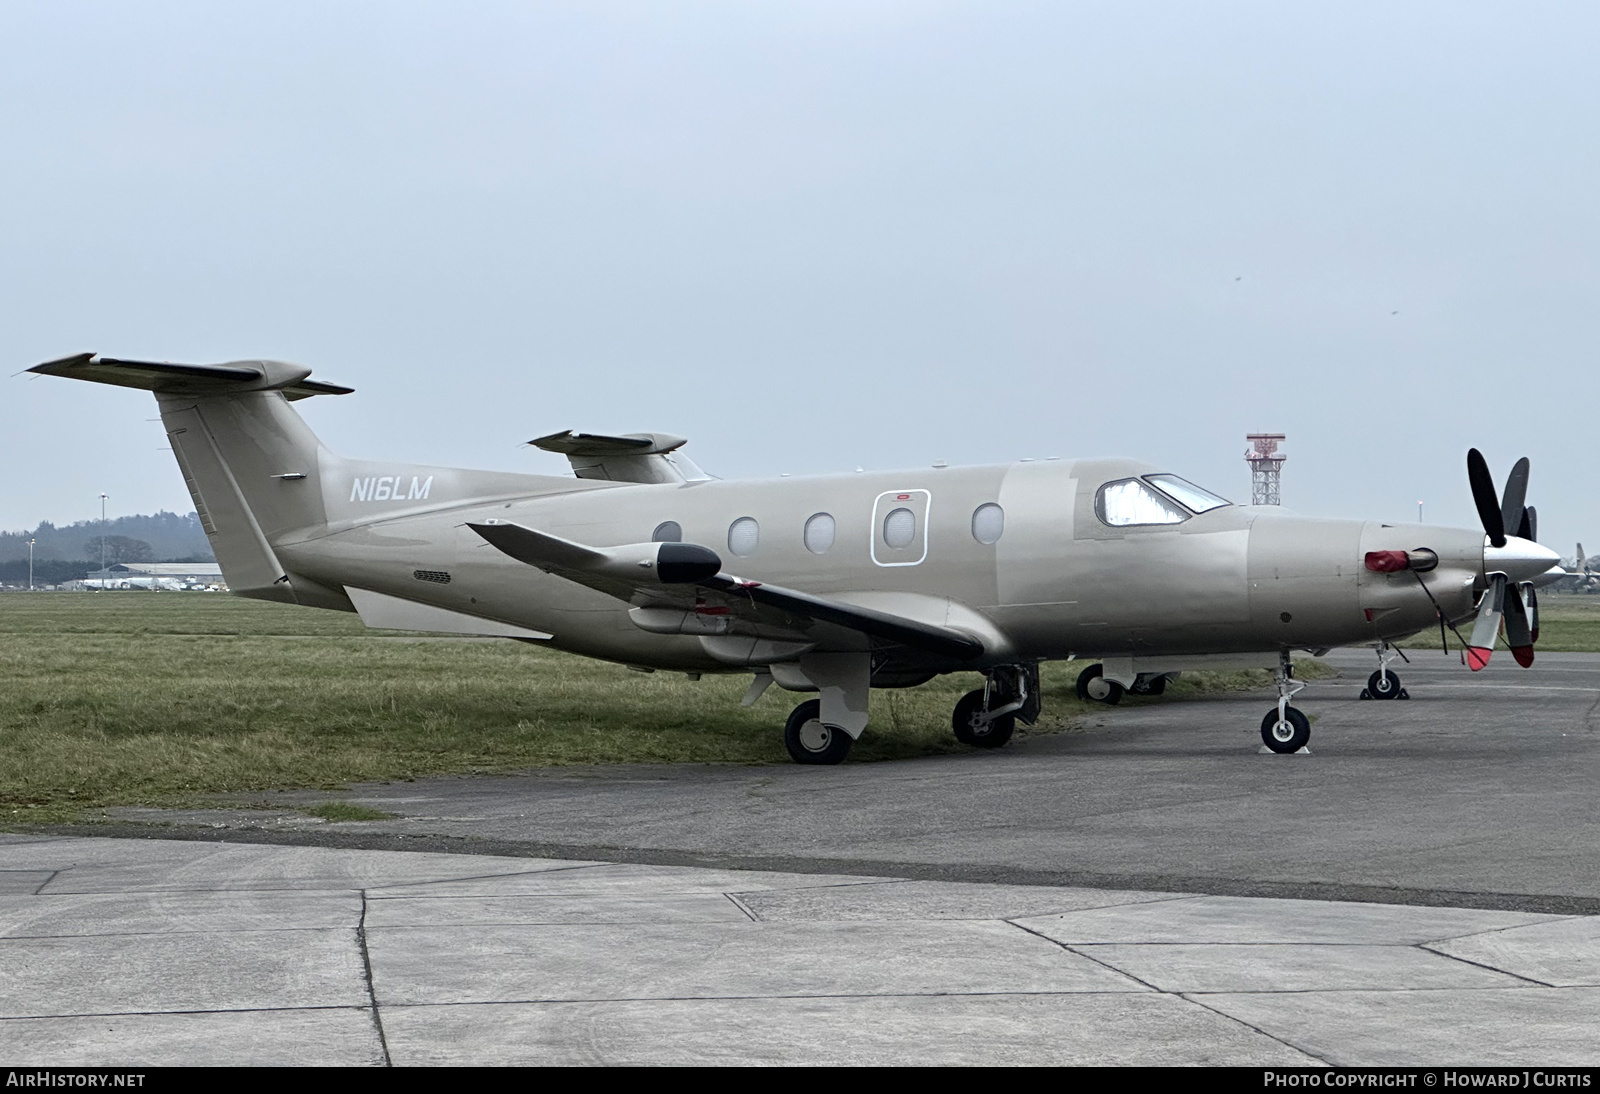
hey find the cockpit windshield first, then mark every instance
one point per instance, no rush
(1130, 501)
(1187, 492)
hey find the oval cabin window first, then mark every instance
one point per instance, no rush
(900, 528)
(668, 531)
(988, 523)
(743, 536)
(819, 533)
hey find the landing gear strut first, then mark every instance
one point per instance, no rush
(986, 718)
(1285, 729)
(1384, 684)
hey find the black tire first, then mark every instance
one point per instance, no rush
(1154, 685)
(1292, 736)
(1383, 684)
(811, 742)
(965, 722)
(1113, 694)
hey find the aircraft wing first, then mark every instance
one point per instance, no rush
(686, 577)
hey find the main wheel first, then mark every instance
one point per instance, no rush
(1149, 685)
(810, 741)
(1383, 684)
(1092, 684)
(972, 730)
(1288, 735)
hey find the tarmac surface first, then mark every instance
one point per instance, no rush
(124, 952)
(1479, 791)
(1422, 888)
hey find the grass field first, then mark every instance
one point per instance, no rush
(1567, 624)
(128, 698)
(136, 698)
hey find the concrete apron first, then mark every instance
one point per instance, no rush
(118, 952)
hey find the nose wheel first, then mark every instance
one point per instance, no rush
(1285, 732)
(1285, 729)
(1384, 684)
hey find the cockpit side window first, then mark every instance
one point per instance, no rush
(1191, 496)
(1130, 501)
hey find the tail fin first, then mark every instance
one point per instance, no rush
(251, 463)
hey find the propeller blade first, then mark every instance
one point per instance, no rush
(1480, 647)
(1533, 611)
(1515, 499)
(1519, 636)
(1529, 528)
(1485, 497)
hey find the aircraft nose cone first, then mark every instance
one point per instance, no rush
(1519, 559)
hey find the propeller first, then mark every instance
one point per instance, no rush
(1516, 604)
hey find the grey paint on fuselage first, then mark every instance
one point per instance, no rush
(1058, 583)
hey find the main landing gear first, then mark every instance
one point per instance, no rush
(1285, 729)
(810, 740)
(1384, 684)
(1093, 684)
(986, 718)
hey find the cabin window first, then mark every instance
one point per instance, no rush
(668, 531)
(743, 536)
(988, 523)
(1192, 496)
(819, 533)
(1131, 501)
(900, 528)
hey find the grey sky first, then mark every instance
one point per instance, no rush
(819, 236)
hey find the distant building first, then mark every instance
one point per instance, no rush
(154, 575)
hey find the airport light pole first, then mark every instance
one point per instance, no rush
(30, 564)
(103, 530)
(1419, 512)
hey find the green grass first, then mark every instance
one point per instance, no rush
(137, 698)
(1568, 623)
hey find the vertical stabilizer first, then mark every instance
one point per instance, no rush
(251, 463)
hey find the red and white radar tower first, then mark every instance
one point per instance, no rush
(1266, 467)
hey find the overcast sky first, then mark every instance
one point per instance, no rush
(818, 236)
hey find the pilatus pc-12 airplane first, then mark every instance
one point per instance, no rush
(831, 584)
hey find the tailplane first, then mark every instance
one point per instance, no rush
(252, 465)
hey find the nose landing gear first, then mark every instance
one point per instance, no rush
(1384, 684)
(1285, 729)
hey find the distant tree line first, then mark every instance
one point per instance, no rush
(50, 571)
(168, 537)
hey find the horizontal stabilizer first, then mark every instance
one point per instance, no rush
(163, 376)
